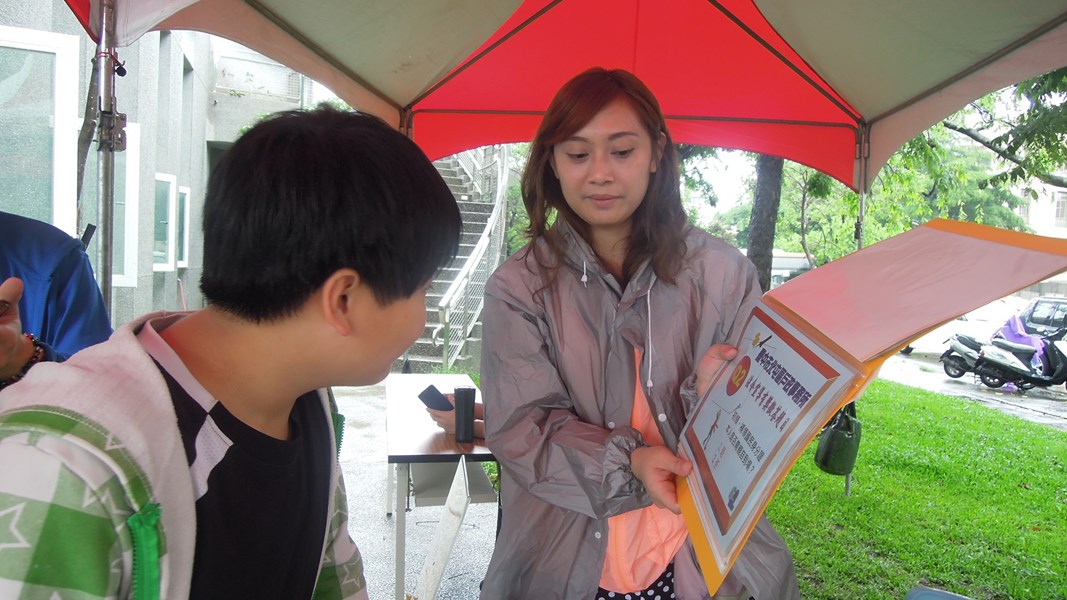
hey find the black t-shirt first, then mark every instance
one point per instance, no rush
(261, 502)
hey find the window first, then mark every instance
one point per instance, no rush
(182, 230)
(1061, 209)
(39, 137)
(1045, 315)
(124, 225)
(38, 106)
(165, 222)
(1024, 211)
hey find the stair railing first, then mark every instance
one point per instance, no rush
(461, 305)
(469, 161)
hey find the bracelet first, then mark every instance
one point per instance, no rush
(38, 355)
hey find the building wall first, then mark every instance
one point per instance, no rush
(1047, 216)
(175, 110)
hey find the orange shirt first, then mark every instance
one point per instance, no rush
(641, 543)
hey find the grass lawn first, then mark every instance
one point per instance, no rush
(946, 493)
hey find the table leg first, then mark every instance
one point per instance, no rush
(444, 539)
(403, 474)
(390, 488)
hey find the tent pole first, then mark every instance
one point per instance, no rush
(864, 156)
(112, 138)
(859, 219)
(859, 246)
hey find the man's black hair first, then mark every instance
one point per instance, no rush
(303, 194)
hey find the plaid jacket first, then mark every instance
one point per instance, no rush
(96, 502)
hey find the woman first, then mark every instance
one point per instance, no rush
(596, 344)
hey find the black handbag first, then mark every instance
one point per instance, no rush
(839, 442)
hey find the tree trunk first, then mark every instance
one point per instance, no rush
(804, 228)
(765, 216)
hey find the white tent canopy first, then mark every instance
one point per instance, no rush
(897, 67)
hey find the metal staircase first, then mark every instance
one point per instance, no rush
(451, 338)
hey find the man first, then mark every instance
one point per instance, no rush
(194, 454)
(50, 305)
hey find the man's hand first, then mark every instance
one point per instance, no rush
(656, 467)
(15, 349)
(710, 363)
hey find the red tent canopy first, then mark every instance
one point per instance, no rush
(838, 85)
(722, 74)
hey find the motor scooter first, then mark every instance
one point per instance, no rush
(1003, 361)
(961, 355)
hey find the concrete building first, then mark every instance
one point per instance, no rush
(1047, 216)
(186, 97)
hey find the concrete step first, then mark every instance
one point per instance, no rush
(418, 364)
(425, 340)
(425, 348)
(423, 356)
(449, 271)
(468, 363)
(474, 223)
(470, 238)
(461, 188)
(438, 286)
(471, 207)
(433, 319)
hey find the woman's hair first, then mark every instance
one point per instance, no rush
(658, 232)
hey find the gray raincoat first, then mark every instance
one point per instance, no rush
(558, 384)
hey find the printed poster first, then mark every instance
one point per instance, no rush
(756, 418)
(813, 343)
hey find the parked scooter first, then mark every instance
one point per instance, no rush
(961, 355)
(1026, 366)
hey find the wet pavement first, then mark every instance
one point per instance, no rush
(363, 461)
(1040, 405)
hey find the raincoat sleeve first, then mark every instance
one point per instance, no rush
(739, 291)
(531, 424)
(62, 525)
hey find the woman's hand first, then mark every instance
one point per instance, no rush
(656, 467)
(445, 419)
(710, 363)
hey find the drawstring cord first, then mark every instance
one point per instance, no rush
(648, 304)
(585, 278)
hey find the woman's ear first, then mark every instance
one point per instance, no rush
(338, 298)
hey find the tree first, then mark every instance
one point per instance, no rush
(736, 222)
(933, 175)
(517, 222)
(765, 216)
(691, 159)
(813, 186)
(1025, 125)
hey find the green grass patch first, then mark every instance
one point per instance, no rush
(946, 492)
(492, 471)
